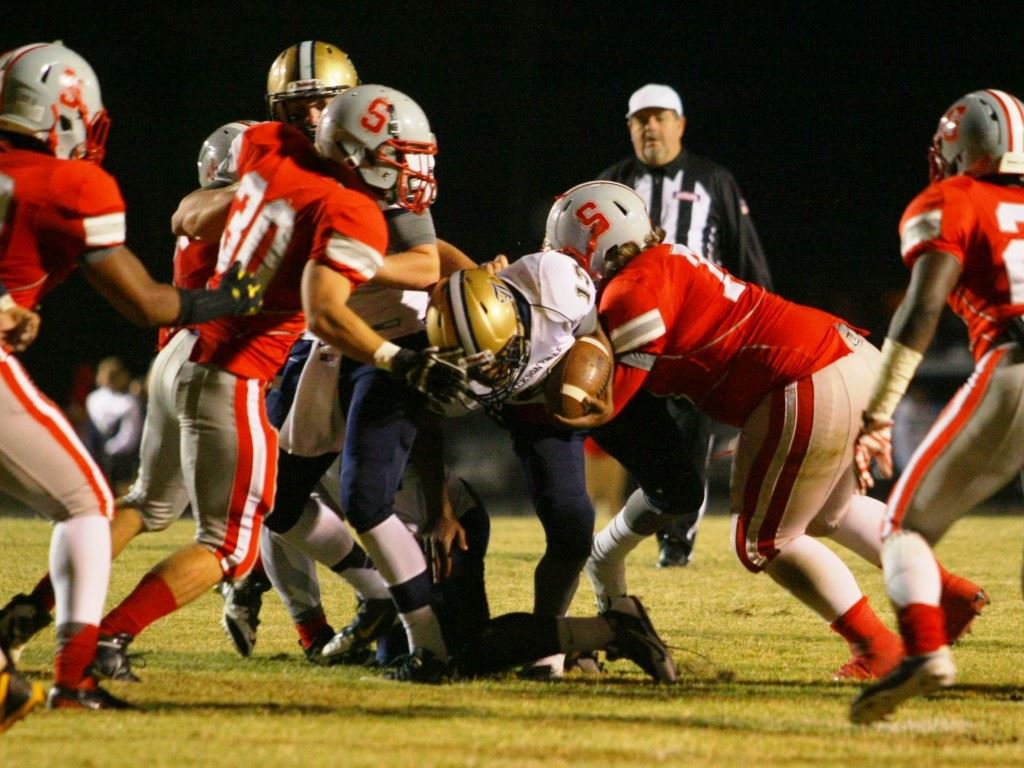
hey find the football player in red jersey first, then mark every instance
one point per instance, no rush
(792, 378)
(961, 239)
(310, 241)
(63, 211)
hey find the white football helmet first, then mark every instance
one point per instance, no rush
(478, 314)
(592, 218)
(980, 135)
(216, 147)
(49, 92)
(384, 136)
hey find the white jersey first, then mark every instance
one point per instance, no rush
(561, 298)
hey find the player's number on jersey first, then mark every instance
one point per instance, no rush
(258, 240)
(731, 288)
(1011, 220)
(6, 197)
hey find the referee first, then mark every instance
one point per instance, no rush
(698, 203)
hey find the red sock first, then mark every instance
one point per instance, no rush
(310, 627)
(74, 657)
(866, 634)
(43, 593)
(922, 628)
(150, 600)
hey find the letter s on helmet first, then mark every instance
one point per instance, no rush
(592, 218)
(49, 92)
(980, 135)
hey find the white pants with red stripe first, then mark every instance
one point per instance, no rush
(228, 460)
(42, 461)
(793, 469)
(974, 449)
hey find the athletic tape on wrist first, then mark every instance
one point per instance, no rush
(899, 362)
(384, 354)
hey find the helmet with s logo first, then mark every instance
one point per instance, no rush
(385, 137)
(592, 218)
(215, 148)
(980, 135)
(49, 92)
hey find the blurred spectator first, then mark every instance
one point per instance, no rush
(115, 423)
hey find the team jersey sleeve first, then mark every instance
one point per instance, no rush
(407, 229)
(567, 289)
(352, 238)
(97, 204)
(938, 219)
(631, 315)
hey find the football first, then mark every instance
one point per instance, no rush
(584, 370)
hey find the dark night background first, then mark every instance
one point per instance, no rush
(823, 113)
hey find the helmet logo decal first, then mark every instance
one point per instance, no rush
(951, 122)
(502, 293)
(590, 216)
(71, 89)
(377, 115)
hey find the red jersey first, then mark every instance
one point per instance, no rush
(981, 225)
(682, 326)
(287, 211)
(56, 210)
(194, 264)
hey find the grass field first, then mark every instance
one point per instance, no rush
(756, 686)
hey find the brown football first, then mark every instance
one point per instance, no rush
(584, 370)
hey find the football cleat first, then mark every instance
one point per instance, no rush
(18, 697)
(352, 644)
(674, 552)
(874, 662)
(421, 666)
(20, 620)
(961, 608)
(243, 600)
(315, 651)
(112, 660)
(916, 676)
(83, 698)
(637, 640)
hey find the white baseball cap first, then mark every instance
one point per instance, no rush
(654, 96)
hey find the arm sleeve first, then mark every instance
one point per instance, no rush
(407, 229)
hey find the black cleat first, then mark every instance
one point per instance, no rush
(674, 552)
(243, 600)
(20, 620)
(352, 644)
(83, 698)
(421, 666)
(637, 640)
(916, 676)
(18, 697)
(112, 660)
(315, 652)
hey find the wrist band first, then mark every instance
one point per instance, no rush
(384, 354)
(899, 362)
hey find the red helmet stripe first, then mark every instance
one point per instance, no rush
(1013, 112)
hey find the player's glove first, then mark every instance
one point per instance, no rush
(239, 293)
(874, 443)
(429, 372)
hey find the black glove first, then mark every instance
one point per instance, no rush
(430, 373)
(239, 293)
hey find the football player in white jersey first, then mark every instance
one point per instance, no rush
(513, 323)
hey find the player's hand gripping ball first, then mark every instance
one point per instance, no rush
(584, 371)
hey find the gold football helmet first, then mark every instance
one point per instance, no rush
(480, 315)
(310, 71)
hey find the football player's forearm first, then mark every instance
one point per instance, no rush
(415, 269)
(343, 328)
(201, 214)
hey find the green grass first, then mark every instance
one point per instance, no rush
(756, 686)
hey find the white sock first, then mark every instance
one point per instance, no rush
(861, 529)
(80, 568)
(816, 576)
(606, 567)
(911, 573)
(320, 533)
(292, 572)
(398, 557)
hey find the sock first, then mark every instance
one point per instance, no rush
(76, 649)
(43, 595)
(911, 573)
(293, 574)
(922, 628)
(152, 599)
(404, 569)
(606, 567)
(865, 632)
(320, 533)
(80, 568)
(358, 570)
(310, 626)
